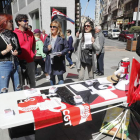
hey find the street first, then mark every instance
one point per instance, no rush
(114, 52)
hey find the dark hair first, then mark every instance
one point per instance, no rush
(69, 31)
(30, 26)
(20, 17)
(92, 30)
(3, 21)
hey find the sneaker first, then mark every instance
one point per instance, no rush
(37, 75)
(73, 65)
(48, 77)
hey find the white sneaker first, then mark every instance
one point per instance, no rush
(48, 77)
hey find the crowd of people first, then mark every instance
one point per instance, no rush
(22, 50)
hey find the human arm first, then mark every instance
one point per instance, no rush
(46, 47)
(7, 50)
(66, 48)
(76, 40)
(96, 45)
(17, 50)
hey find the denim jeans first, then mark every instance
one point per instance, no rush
(60, 79)
(68, 57)
(9, 70)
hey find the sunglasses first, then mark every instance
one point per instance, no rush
(87, 26)
(25, 20)
(53, 27)
(11, 21)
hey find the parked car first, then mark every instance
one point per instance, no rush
(125, 35)
(105, 33)
(113, 33)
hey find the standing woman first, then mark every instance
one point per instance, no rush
(55, 65)
(9, 49)
(86, 53)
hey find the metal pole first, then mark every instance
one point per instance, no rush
(137, 19)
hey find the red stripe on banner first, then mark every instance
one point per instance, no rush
(49, 117)
(76, 115)
(46, 118)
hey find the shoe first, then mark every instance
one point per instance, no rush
(37, 75)
(73, 65)
(48, 77)
(100, 74)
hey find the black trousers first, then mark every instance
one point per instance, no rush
(100, 63)
(41, 63)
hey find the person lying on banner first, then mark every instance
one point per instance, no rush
(86, 45)
(55, 48)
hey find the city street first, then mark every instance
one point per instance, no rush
(115, 51)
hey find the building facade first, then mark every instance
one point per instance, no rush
(39, 12)
(118, 14)
(97, 12)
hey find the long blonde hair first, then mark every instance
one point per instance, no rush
(59, 32)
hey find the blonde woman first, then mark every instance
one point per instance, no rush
(55, 42)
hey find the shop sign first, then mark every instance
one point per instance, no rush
(119, 21)
(126, 21)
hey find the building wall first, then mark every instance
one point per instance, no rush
(26, 7)
(42, 9)
(46, 14)
(97, 12)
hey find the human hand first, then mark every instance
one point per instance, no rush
(92, 39)
(49, 47)
(59, 55)
(9, 48)
(68, 51)
(15, 53)
(77, 34)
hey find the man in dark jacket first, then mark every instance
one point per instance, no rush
(70, 42)
(100, 54)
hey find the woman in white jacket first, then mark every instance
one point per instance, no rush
(86, 53)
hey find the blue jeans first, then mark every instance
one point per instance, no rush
(68, 57)
(60, 79)
(7, 71)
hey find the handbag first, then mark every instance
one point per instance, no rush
(86, 56)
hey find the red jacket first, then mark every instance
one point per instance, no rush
(27, 44)
(43, 39)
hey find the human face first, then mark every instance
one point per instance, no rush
(97, 30)
(23, 23)
(54, 29)
(29, 28)
(9, 25)
(87, 27)
(68, 34)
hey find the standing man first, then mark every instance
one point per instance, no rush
(43, 36)
(71, 49)
(27, 44)
(100, 53)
